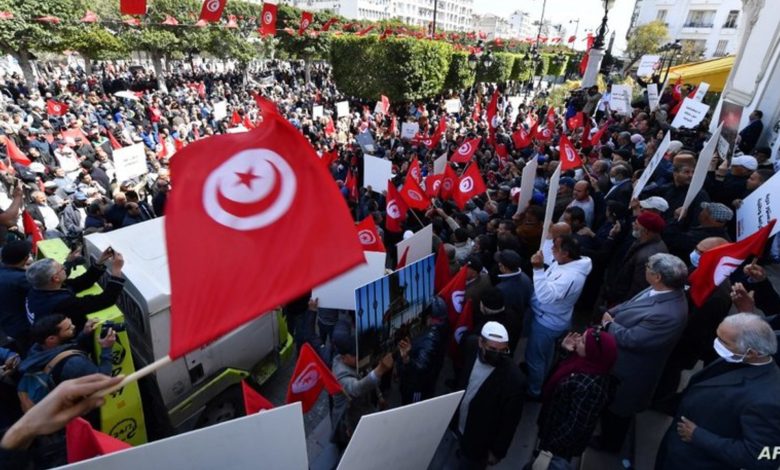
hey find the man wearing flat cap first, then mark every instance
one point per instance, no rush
(714, 218)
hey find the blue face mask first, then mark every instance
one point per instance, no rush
(695, 258)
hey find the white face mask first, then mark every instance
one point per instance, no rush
(614, 180)
(726, 354)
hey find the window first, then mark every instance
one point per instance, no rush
(700, 19)
(661, 15)
(731, 20)
(720, 50)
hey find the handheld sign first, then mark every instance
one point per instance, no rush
(700, 173)
(690, 114)
(648, 173)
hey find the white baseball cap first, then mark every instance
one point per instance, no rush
(654, 202)
(495, 331)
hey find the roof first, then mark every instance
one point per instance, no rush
(713, 71)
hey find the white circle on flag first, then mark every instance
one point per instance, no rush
(308, 378)
(725, 267)
(393, 211)
(459, 332)
(305, 24)
(465, 149)
(414, 195)
(366, 237)
(268, 17)
(250, 190)
(56, 108)
(213, 5)
(457, 300)
(570, 154)
(427, 142)
(436, 185)
(495, 122)
(416, 173)
(466, 184)
(447, 184)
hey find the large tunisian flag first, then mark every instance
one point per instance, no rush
(212, 10)
(268, 20)
(310, 376)
(279, 226)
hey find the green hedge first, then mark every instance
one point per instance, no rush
(557, 70)
(542, 65)
(521, 70)
(354, 63)
(460, 75)
(500, 69)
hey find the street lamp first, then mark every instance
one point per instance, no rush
(596, 53)
(670, 51)
(602, 31)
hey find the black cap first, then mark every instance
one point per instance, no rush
(15, 252)
(343, 340)
(509, 258)
(474, 263)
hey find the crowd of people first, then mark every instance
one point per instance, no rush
(598, 310)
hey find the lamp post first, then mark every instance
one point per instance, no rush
(670, 51)
(435, 9)
(597, 51)
(474, 59)
(576, 30)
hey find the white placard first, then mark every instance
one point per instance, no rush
(366, 141)
(515, 101)
(239, 129)
(760, 207)
(339, 293)
(317, 112)
(419, 245)
(274, 437)
(690, 114)
(409, 130)
(648, 172)
(701, 90)
(130, 162)
(439, 165)
(527, 185)
(652, 96)
(453, 106)
(702, 167)
(552, 195)
(620, 100)
(342, 109)
(647, 65)
(412, 431)
(376, 172)
(220, 110)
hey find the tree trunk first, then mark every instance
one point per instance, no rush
(87, 65)
(158, 71)
(27, 70)
(307, 71)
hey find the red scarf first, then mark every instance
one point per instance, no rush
(599, 358)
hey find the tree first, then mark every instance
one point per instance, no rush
(94, 42)
(645, 39)
(157, 43)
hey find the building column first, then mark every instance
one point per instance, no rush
(594, 65)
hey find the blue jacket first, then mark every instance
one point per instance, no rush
(13, 290)
(72, 367)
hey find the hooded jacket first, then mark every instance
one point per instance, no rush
(556, 290)
(72, 367)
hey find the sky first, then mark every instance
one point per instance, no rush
(562, 11)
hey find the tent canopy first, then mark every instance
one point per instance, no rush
(713, 71)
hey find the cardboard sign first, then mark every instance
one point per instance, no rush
(552, 195)
(274, 437)
(761, 206)
(412, 431)
(453, 106)
(317, 112)
(652, 96)
(648, 173)
(366, 141)
(515, 101)
(439, 165)
(220, 110)
(700, 173)
(342, 109)
(130, 162)
(701, 90)
(416, 247)
(376, 172)
(690, 114)
(409, 130)
(620, 100)
(527, 185)
(339, 293)
(648, 64)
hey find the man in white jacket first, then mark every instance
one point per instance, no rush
(556, 290)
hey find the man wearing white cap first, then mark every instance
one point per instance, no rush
(492, 405)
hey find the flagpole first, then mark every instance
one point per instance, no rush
(135, 376)
(416, 217)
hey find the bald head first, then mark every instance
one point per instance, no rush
(559, 229)
(710, 243)
(581, 190)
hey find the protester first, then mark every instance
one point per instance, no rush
(15, 257)
(422, 357)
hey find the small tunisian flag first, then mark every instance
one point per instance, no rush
(368, 235)
(453, 295)
(132, 7)
(329, 23)
(596, 139)
(521, 138)
(464, 324)
(235, 119)
(471, 184)
(575, 121)
(433, 185)
(56, 108)
(31, 228)
(717, 264)
(570, 158)
(492, 117)
(448, 183)
(350, 182)
(83, 443)
(253, 401)
(262, 193)
(329, 157)
(414, 169)
(396, 209)
(14, 153)
(212, 10)
(306, 19)
(437, 134)
(114, 143)
(413, 195)
(466, 150)
(310, 376)
(442, 275)
(477, 111)
(268, 20)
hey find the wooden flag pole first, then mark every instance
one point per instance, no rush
(135, 376)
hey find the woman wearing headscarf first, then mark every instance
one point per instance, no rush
(575, 395)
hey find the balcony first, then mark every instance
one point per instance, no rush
(698, 24)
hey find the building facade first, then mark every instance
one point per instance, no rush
(522, 25)
(709, 27)
(493, 26)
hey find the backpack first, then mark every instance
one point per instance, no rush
(34, 386)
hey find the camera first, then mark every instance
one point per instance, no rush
(107, 325)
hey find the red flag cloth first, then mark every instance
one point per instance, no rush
(482, 35)
(268, 20)
(201, 24)
(178, 144)
(352, 187)
(414, 169)
(466, 151)
(477, 111)
(437, 134)
(396, 209)
(16, 155)
(114, 143)
(584, 63)
(717, 264)
(329, 23)
(253, 401)
(163, 153)
(364, 31)
(402, 260)
(572, 39)
(393, 126)
(413, 195)
(387, 32)
(503, 155)
(238, 192)
(311, 375)
(471, 184)
(433, 186)
(330, 128)
(385, 104)
(329, 157)
(247, 123)
(448, 183)
(170, 21)
(201, 89)
(31, 228)
(584, 143)
(454, 294)
(306, 19)
(6, 15)
(89, 17)
(212, 10)
(132, 7)
(596, 139)
(520, 138)
(368, 235)
(575, 122)
(679, 103)
(492, 117)
(590, 40)
(83, 443)
(56, 108)
(442, 275)
(235, 119)
(464, 323)
(570, 158)
(551, 118)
